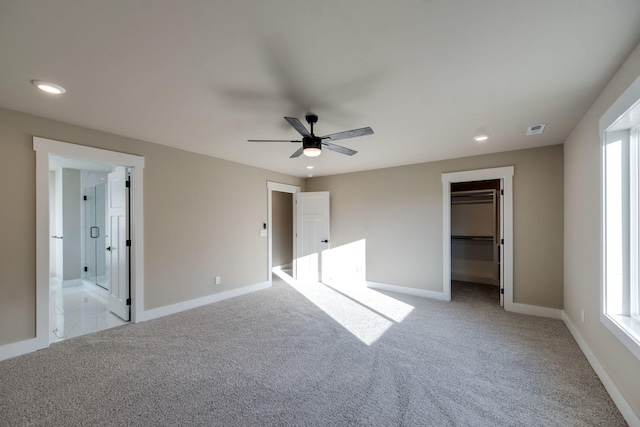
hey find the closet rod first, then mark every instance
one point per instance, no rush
(482, 238)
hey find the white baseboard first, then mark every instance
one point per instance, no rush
(19, 348)
(408, 291)
(534, 310)
(630, 417)
(198, 302)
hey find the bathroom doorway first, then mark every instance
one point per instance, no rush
(80, 285)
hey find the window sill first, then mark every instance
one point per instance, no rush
(626, 329)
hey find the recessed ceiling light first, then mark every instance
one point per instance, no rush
(49, 87)
(309, 167)
(480, 138)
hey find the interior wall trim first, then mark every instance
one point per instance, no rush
(625, 409)
(45, 148)
(407, 290)
(505, 174)
(536, 310)
(19, 348)
(283, 188)
(199, 302)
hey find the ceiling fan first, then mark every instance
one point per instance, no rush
(311, 144)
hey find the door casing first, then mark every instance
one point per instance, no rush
(283, 188)
(505, 174)
(45, 148)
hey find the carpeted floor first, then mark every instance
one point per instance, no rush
(276, 358)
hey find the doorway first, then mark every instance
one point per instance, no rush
(46, 150)
(505, 260)
(79, 278)
(476, 234)
(282, 231)
(275, 220)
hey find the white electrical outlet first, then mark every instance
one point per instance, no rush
(582, 316)
(218, 280)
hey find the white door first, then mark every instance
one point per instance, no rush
(312, 235)
(117, 249)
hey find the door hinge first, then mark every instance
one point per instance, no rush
(84, 197)
(502, 192)
(128, 242)
(502, 291)
(502, 241)
(128, 301)
(86, 269)
(128, 184)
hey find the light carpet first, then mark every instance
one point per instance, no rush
(276, 358)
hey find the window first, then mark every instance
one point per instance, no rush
(621, 219)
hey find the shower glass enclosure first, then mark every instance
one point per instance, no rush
(94, 229)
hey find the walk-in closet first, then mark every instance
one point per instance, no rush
(475, 232)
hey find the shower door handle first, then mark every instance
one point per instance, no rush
(97, 232)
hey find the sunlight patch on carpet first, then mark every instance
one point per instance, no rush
(365, 313)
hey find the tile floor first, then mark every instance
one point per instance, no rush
(78, 310)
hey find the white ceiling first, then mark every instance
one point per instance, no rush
(205, 75)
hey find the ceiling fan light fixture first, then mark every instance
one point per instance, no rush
(49, 87)
(312, 151)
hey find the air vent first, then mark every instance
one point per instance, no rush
(535, 130)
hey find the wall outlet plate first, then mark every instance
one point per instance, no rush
(218, 280)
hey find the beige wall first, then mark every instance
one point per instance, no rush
(202, 219)
(582, 238)
(282, 228)
(399, 213)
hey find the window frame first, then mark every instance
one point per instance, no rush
(625, 325)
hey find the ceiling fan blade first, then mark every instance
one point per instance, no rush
(297, 153)
(271, 140)
(339, 148)
(297, 125)
(349, 134)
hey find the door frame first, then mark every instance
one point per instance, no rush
(505, 175)
(283, 188)
(45, 148)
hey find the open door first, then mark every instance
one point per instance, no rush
(500, 242)
(312, 235)
(118, 243)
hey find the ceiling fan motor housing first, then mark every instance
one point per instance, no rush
(312, 142)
